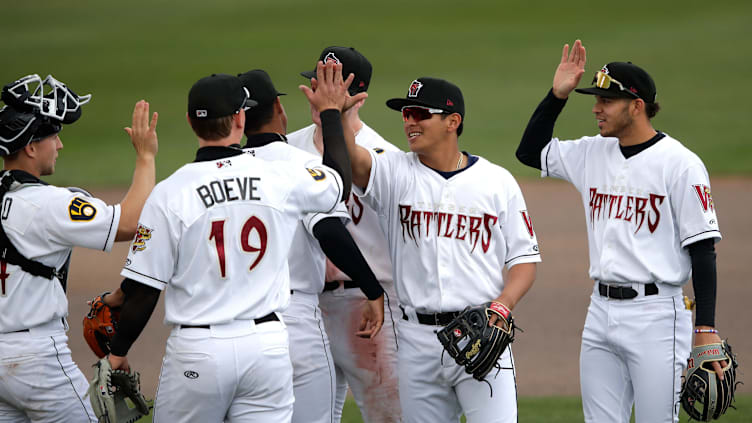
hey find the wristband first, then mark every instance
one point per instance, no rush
(706, 330)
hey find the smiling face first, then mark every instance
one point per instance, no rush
(613, 116)
(422, 135)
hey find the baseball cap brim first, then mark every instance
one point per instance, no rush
(398, 103)
(605, 93)
(308, 74)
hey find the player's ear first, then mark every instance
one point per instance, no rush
(637, 107)
(453, 122)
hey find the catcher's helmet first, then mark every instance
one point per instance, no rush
(31, 115)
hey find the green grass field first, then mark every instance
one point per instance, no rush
(502, 54)
(558, 410)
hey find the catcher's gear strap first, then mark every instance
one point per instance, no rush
(8, 251)
(704, 280)
(338, 245)
(140, 301)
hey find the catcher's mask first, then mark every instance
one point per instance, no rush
(36, 109)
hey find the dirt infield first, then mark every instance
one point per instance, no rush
(552, 314)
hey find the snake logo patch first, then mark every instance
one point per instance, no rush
(190, 374)
(143, 235)
(706, 199)
(316, 174)
(81, 210)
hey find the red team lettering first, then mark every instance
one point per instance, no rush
(628, 208)
(459, 226)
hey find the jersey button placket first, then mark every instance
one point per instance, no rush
(443, 244)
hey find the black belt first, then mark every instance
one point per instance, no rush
(331, 286)
(435, 319)
(624, 292)
(271, 317)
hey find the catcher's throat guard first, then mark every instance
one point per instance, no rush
(472, 343)
(704, 395)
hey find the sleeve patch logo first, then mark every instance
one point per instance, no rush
(706, 199)
(143, 235)
(316, 174)
(223, 163)
(81, 210)
(528, 223)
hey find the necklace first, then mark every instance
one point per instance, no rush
(459, 162)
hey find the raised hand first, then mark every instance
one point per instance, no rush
(328, 90)
(143, 133)
(570, 70)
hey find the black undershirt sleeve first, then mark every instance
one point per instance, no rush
(140, 301)
(704, 281)
(340, 248)
(540, 130)
(335, 149)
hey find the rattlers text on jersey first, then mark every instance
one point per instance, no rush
(641, 211)
(449, 238)
(211, 215)
(44, 223)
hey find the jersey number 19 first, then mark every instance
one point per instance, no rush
(252, 224)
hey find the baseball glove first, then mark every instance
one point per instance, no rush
(100, 325)
(704, 396)
(473, 343)
(108, 392)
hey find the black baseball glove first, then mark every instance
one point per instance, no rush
(473, 343)
(704, 396)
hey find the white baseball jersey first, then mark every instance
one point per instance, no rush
(306, 260)
(218, 232)
(44, 223)
(640, 211)
(449, 238)
(364, 227)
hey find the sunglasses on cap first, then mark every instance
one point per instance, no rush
(419, 113)
(604, 80)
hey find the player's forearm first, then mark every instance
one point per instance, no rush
(144, 178)
(140, 301)
(335, 149)
(704, 281)
(540, 130)
(360, 160)
(339, 246)
(519, 280)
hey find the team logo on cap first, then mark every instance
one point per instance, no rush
(414, 88)
(604, 69)
(81, 210)
(201, 113)
(330, 57)
(143, 234)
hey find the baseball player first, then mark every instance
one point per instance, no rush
(373, 382)
(651, 224)
(215, 235)
(316, 234)
(453, 221)
(40, 225)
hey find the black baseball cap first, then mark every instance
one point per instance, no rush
(352, 62)
(609, 81)
(217, 96)
(259, 86)
(434, 93)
